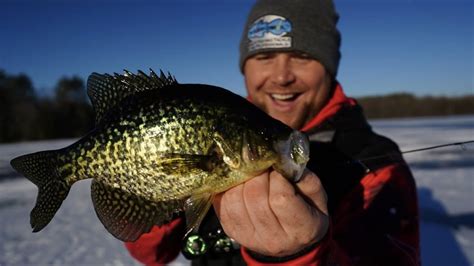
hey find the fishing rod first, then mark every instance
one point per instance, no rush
(397, 157)
(462, 143)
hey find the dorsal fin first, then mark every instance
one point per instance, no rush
(106, 91)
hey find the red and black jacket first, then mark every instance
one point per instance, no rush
(372, 201)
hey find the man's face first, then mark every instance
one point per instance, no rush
(290, 87)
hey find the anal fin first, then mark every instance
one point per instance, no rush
(127, 216)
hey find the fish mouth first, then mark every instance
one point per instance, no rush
(294, 154)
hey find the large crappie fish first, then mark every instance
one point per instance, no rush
(159, 148)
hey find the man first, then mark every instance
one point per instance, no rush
(353, 206)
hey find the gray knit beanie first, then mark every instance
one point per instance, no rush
(307, 26)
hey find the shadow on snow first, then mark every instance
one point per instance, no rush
(437, 228)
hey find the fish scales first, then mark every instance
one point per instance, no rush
(160, 148)
(170, 130)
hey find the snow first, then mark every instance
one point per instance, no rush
(445, 181)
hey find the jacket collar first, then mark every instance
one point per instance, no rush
(337, 101)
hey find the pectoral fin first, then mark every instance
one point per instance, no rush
(172, 164)
(196, 208)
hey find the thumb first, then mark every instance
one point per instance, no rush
(312, 191)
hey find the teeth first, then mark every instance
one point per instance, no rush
(283, 97)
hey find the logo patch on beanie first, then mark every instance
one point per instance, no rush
(269, 32)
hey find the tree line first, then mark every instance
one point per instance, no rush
(25, 115)
(400, 105)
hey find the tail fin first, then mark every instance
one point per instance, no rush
(41, 168)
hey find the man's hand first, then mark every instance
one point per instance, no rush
(273, 217)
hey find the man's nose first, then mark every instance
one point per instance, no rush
(282, 73)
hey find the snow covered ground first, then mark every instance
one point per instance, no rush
(445, 180)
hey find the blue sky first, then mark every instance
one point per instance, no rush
(419, 46)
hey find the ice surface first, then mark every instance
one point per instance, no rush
(75, 236)
(445, 180)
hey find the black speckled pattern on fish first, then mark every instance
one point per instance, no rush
(158, 148)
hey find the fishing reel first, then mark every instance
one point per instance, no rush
(212, 243)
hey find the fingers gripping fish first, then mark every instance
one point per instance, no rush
(160, 148)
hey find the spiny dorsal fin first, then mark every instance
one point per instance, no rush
(105, 91)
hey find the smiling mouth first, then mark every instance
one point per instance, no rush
(286, 97)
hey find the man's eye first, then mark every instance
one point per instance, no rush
(302, 56)
(263, 56)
